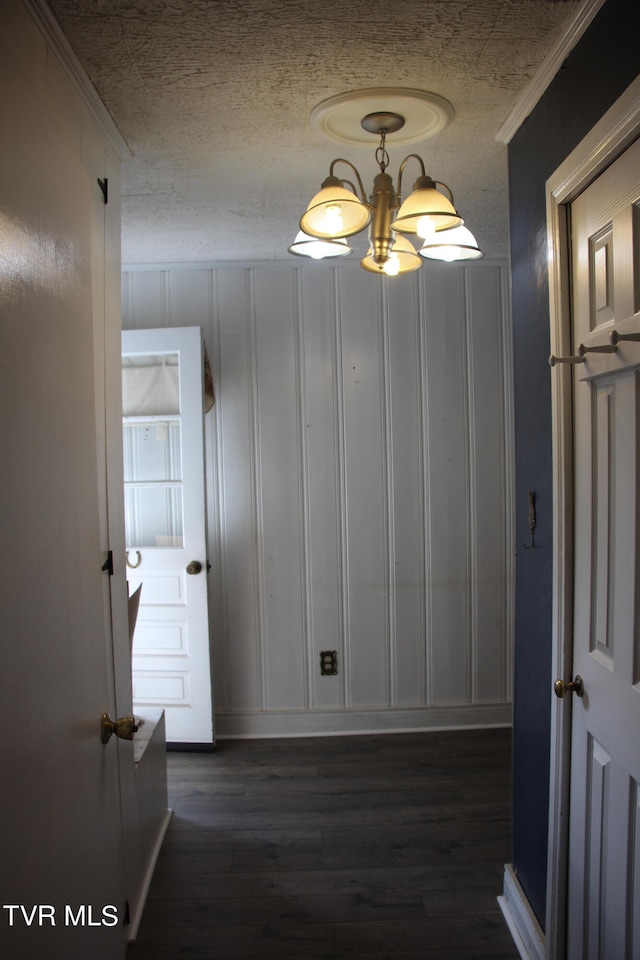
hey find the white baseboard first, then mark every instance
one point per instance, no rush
(527, 933)
(146, 882)
(327, 723)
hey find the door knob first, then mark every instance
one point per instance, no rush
(572, 686)
(123, 727)
(194, 567)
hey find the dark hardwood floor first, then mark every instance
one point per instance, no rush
(382, 847)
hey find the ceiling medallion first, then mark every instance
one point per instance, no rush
(425, 114)
(341, 209)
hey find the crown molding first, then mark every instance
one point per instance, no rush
(548, 69)
(61, 48)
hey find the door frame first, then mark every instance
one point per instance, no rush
(616, 130)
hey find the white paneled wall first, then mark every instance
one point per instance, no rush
(359, 479)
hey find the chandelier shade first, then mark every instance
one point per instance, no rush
(306, 246)
(402, 259)
(334, 212)
(449, 245)
(426, 210)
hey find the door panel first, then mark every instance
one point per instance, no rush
(165, 526)
(59, 786)
(603, 876)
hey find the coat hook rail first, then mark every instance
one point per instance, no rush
(615, 337)
(532, 520)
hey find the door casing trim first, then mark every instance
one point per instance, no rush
(616, 130)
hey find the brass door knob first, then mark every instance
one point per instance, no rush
(572, 686)
(194, 567)
(123, 727)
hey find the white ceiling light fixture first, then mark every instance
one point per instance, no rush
(340, 209)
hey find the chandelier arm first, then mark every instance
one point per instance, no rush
(349, 183)
(439, 183)
(412, 156)
(363, 192)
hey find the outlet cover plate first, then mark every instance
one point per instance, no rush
(328, 663)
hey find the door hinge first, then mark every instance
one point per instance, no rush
(107, 566)
(104, 186)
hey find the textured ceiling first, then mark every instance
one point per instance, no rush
(214, 98)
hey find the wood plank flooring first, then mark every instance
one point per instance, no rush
(386, 847)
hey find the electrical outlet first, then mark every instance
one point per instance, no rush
(328, 663)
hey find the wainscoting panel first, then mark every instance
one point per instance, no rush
(404, 425)
(449, 586)
(489, 420)
(359, 489)
(365, 494)
(322, 483)
(277, 459)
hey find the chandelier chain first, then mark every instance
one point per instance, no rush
(382, 156)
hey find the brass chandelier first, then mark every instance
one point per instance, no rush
(340, 210)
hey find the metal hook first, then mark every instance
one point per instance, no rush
(615, 337)
(532, 519)
(133, 566)
(603, 348)
(582, 349)
(575, 359)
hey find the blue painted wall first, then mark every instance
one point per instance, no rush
(597, 71)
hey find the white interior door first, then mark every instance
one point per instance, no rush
(165, 526)
(604, 832)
